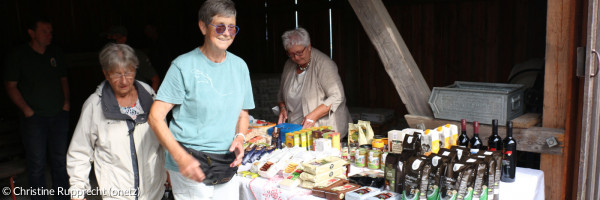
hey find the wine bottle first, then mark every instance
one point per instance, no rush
(509, 156)
(476, 143)
(463, 138)
(495, 141)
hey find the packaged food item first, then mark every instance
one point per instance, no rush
(322, 145)
(367, 130)
(455, 181)
(390, 170)
(338, 192)
(412, 144)
(320, 177)
(326, 164)
(319, 191)
(303, 139)
(481, 176)
(291, 181)
(352, 152)
(454, 133)
(383, 157)
(362, 193)
(438, 168)
(335, 140)
(426, 143)
(309, 140)
(289, 139)
(374, 159)
(297, 139)
(352, 134)
(386, 195)
(395, 139)
(415, 169)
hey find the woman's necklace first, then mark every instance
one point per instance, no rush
(304, 68)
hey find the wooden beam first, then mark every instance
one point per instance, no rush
(559, 98)
(530, 139)
(395, 56)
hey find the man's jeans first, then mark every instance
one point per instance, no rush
(46, 136)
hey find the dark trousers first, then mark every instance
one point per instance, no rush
(46, 136)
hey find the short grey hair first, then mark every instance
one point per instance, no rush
(211, 8)
(115, 56)
(297, 36)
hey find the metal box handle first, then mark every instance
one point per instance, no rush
(516, 102)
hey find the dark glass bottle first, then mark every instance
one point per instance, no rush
(276, 138)
(495, 141)
(476, 143)
(463, 138)
(509, 156)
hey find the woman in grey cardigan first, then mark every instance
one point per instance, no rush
(311, 92)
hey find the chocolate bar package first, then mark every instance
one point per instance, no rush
(319, 191)
(327, 164)
(362, 193)
(339, 192)
(323, 176)
(386, 195)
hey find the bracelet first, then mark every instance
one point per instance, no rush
(241, 135)
(310, 120)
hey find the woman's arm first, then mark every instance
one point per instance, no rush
(81, 151)
(188, 165)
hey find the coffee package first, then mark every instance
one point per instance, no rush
(414, 170)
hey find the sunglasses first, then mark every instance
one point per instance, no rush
(221, 28)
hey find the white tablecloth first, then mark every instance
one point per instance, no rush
(529, 184)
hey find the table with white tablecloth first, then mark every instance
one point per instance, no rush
(528, 185)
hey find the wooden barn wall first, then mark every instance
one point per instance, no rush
(466, 40)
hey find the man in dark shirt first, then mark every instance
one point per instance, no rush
(35, 77)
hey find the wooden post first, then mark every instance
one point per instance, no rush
(560, 102)
(395, 56)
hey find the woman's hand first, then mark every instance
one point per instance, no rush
(282, 115)
(190, 168)
(237, 146)
(307, 122)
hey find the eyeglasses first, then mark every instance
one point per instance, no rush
(221, 28)
(117, 76)
(297, 54)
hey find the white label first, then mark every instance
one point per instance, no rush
(457, 167)
(471, 160)
(446, 153)
(435, 160)
(410, 139)
(416, 164)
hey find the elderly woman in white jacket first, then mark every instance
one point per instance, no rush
(113, 135)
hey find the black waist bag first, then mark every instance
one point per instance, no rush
(215, 166)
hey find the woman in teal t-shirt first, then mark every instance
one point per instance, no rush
(210, 93)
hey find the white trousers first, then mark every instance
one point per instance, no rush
(184, 188)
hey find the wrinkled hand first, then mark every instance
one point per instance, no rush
(237, 146)
(282, 115)
(28, 113)
(190, 168)
(307, 123)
